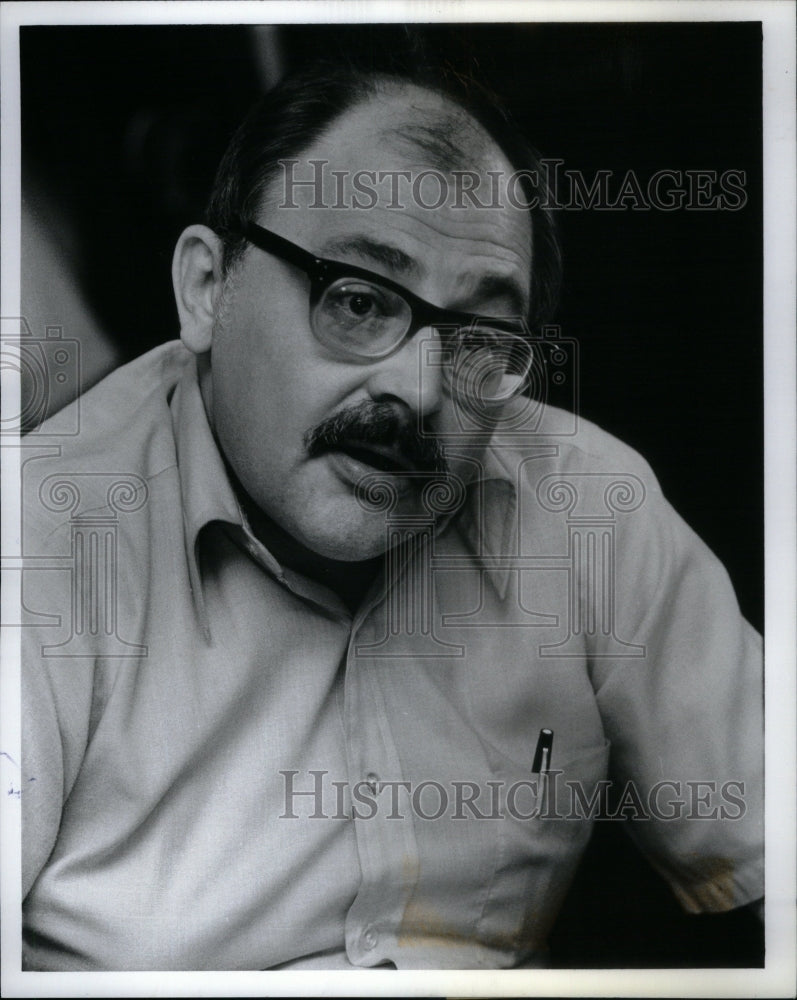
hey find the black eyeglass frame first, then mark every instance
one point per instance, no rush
(323, 272)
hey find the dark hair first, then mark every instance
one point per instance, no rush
(302, 106)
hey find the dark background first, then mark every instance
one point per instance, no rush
(123, 127)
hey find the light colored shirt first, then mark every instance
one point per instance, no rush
(224, 769)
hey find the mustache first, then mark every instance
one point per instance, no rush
(372, 423)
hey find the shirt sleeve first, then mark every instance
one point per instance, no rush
(56, 698)
(685, 715)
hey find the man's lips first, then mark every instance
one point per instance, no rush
(379, 457)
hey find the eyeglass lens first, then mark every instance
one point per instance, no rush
(365, 320)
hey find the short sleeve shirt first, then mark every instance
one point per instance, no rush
(223, 768)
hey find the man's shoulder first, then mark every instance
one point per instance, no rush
(104, 449)
(119, 418)
(571, 446)
(132, 394)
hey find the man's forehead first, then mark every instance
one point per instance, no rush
(408, 128)
(402, 161)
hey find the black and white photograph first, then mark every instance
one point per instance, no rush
(398, 525)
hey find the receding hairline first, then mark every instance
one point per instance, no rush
(437, 128)
(431, 127)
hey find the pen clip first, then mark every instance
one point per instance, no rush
(542, 755)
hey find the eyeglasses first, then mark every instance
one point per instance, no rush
(364, 317)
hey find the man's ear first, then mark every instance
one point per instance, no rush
(197, 279)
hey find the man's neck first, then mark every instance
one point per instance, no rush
(348, 580)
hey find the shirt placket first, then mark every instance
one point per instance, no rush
(386, 842)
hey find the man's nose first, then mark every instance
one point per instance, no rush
(413, 375)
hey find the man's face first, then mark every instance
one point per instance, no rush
(274, 383)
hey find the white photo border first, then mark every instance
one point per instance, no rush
(777, 978)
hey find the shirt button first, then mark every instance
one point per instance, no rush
(370, 938)
(372, 780)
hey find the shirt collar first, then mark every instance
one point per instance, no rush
(489, 523)
(205, 488)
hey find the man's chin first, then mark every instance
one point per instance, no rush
(340, 530)
(348, 509)
(347, 550)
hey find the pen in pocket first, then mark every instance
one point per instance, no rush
(542, 755)
(542, 763)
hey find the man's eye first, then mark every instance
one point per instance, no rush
(359, 302)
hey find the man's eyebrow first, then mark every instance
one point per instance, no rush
(368, 249)
(504, 287)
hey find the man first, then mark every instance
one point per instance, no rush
(349, 626)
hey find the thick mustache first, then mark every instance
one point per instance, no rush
(372, 423)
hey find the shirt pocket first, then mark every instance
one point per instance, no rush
(538, 848)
